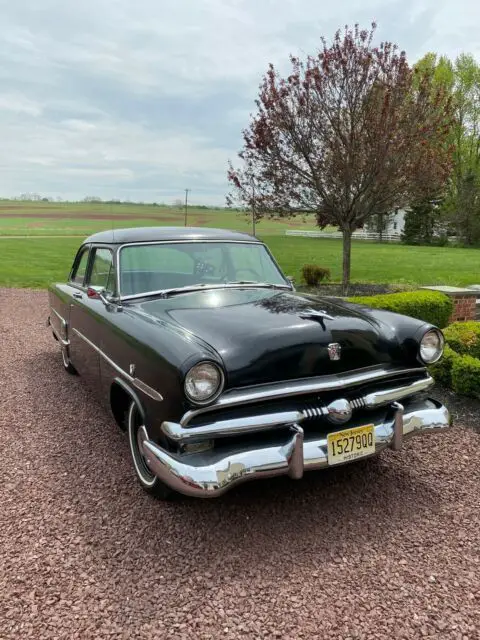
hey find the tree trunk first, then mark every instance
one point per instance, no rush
(347, 249)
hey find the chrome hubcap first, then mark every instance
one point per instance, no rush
(137, 435)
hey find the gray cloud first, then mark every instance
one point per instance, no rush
(139, 100)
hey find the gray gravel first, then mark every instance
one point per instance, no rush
(386, 548)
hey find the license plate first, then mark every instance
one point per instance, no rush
(350, 444)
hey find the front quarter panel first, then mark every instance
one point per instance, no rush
(405, 330)
(155, 354)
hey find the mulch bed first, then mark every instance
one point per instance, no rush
(465, 411)
(355, 289)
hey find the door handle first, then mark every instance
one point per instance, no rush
(77, 294)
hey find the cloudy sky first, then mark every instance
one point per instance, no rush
(140, 99)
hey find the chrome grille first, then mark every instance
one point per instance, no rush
(310, 411)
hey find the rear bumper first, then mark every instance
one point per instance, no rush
(212, 473)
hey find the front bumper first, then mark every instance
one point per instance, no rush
(212, 473)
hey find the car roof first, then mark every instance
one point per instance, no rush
(157, 234)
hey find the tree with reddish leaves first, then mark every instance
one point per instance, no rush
(349, 134)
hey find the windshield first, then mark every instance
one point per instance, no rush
(155, 267)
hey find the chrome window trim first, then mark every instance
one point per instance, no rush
(291, 388)
(93, 249)
(187, 241)
(136, 382)
(83, 248)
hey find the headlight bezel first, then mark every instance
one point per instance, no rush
(212, 397)
(439, 334)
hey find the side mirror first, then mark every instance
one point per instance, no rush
(95, 292)
(291, 279)
(98, 293)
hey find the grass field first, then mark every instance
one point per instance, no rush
(35, 261)
(81, 219)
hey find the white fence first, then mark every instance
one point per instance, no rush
(356, 235)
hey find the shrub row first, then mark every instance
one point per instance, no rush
(459, 368)
(460, 372)
(430, 306)
(314, 274)
(464, 338)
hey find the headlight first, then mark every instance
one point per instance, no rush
(203, 382)
(431, 346)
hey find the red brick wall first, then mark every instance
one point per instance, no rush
(463, 309)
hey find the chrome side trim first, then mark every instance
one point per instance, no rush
(147, 390)
(61, 318)
(104, 355)
(206, 475)
(136, 382)
(291, 388)
(227, 428)
(63, 342)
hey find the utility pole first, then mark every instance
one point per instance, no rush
(186, 204)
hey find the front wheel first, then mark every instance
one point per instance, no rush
(149, 482)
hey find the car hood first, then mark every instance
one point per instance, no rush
(265, 335)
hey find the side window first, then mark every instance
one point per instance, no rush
(78, 274)
(103, 272)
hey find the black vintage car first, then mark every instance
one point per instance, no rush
(220, 372)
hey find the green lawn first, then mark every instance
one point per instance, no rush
(35, 262)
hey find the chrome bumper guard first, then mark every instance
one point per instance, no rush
(207, 476)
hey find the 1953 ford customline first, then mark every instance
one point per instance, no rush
(220, 372)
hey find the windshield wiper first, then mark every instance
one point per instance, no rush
(165, 293)
(266, 285)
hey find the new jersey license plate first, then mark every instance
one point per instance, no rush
(350, 444)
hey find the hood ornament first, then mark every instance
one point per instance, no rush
(313, 314)
(334, 351)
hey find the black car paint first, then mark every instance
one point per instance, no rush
(255, 334)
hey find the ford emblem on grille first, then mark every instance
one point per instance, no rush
(334, 351)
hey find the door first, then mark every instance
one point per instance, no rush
(83, 353)
(88, 316)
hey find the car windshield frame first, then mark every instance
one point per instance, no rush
(286, 284)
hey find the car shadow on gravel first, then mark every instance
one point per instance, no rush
(88, 472)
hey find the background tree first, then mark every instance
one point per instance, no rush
(461, 80)
(346, 135)
(420, 222)
(380, 223)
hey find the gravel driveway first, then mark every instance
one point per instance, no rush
(386, 548)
